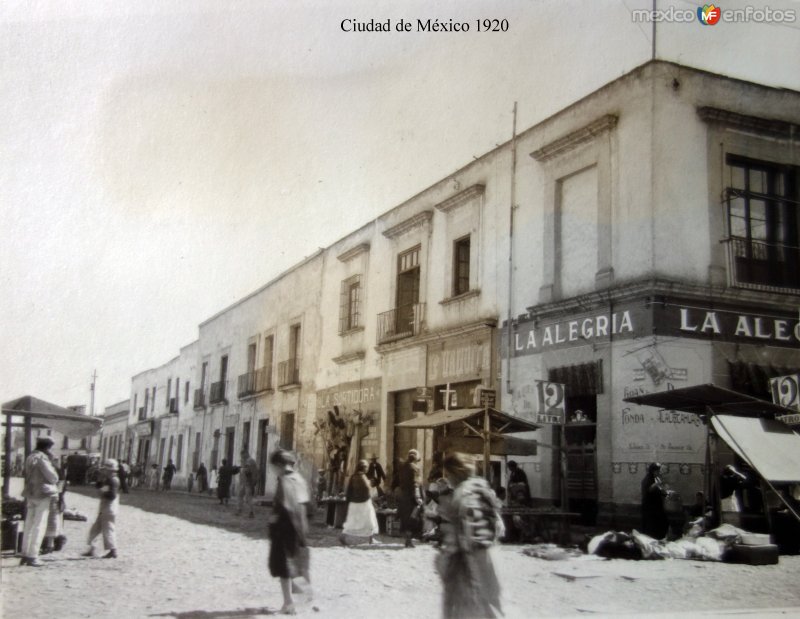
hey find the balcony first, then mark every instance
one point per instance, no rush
(289, 372)
(759, 265)
(199, 399)
(255, 382)
(217, 394)
(142, 414)
(401, 322)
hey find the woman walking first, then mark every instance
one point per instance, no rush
(361, 519)
(288, 528)
(470, 526)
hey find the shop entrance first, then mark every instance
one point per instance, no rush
(262, 449)
(583, 383)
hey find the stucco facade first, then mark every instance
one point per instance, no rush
(616, 238)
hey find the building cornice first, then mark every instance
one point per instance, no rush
(353, 252)
(409, 224)
(462, 197)
(574, 139)
(659, 287)
(753, 124)
(348, 357)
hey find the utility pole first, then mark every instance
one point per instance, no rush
(91, 405)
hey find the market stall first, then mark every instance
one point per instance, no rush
(751, 456)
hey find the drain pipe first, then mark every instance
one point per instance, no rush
(511, 246)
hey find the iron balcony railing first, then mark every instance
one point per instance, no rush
(403, 321)
(289, 372)
(255, 382)
(199, 398)
(217, 393)
(772, 267)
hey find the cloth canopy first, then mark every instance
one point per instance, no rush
(771, 447)
(705, 399)
(501, 422)
(57, 418)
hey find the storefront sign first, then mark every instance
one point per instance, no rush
(144, 428)
(531, 338)
(364, 395)
(459, 361)
(727, 323)
(786, 391)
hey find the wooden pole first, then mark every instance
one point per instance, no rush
(487, 441)
(7, 457)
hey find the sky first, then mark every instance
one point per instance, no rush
(161, 159)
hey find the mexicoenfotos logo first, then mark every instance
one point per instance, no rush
(708, 14)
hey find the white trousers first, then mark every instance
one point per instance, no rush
(35, 526)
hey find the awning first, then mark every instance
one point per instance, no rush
(771, 447)
(499, 445)
(710, 399)
(500, 422)
(57, 418)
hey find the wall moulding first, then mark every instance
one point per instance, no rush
(574, 139)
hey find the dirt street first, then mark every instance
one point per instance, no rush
(180, 567)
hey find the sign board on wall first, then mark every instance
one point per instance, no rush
(363, 394)
(786, 392)
(459, 360)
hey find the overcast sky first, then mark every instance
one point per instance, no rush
(160, 160)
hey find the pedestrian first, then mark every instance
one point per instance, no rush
(247, 483)
(409, 499)
(519, 492)
(54, 538)
(123, 477)
(153, 477)
(212, 480)
(169, 473)
(105, 524)
(654, 517)
(202, 478)
(361, 519)
(41, 484)
(375, 473)
(288, 528)
(471, 524)
(224, 479)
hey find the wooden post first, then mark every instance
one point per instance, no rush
(9, 443)
(28, 436)
(487, 441)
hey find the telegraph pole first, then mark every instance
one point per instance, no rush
(91, 405)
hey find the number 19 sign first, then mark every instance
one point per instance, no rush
(786, 392)
(551, 403)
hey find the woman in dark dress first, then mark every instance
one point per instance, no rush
(288, 528)
(226, 473)
(202, 478)
(654, 518)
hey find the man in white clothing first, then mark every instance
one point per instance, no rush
(41, 483)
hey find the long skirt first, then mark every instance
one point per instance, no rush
(361, 520)
(287, 557)
(471, 586)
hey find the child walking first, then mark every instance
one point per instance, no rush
(108, 487)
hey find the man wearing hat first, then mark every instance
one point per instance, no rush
(409, 501)
(41, 483)
(108, 487)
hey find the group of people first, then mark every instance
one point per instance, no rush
(44, 506)
(470, 520)
(467, 512)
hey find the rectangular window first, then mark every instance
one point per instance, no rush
(179, 455)
(153, 401)
(350, 304)
(65, 443)
(461, 250)
(246, 435)
(251, 358)
(223, 368)
(186, 391)
(287, 431)
(763, 224)
(294, 342)
(146, 400)
(169, 390)
(135, 402)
